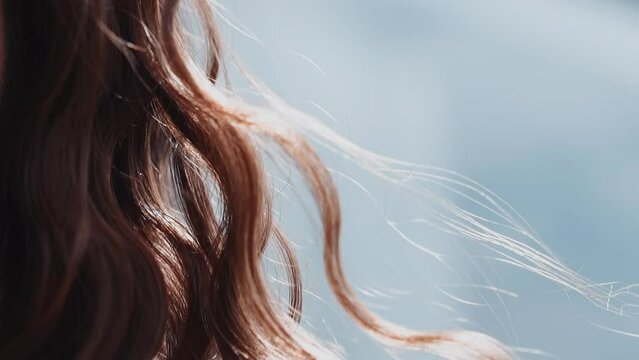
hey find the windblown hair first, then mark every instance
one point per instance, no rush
(135, 206)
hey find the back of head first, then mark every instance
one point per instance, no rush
(110, 244)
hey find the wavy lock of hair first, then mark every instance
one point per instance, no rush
(134, 207)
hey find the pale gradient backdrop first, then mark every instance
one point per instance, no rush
(536, 99)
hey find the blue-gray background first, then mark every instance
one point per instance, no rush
(536, 99)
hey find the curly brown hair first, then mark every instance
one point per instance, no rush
(135, 211)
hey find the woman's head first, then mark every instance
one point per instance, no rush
(134, 207)
(114, 161)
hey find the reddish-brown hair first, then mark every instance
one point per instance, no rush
(135, 211)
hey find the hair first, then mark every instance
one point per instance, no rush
(135, 205)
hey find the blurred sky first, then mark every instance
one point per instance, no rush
(536, 99)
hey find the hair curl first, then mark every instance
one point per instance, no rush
(135, 211)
